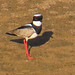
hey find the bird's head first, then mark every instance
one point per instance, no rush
(37, 17)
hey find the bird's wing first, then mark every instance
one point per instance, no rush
(25, 31)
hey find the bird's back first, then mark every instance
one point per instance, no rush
(23, 31)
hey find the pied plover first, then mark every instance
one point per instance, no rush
(29, 31)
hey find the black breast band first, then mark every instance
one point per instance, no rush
(37, 28)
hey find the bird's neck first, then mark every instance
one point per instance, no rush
(37, 23)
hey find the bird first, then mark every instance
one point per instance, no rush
(28, 31)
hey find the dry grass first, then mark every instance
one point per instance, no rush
(52, 56)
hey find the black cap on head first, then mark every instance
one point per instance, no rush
(37, 17)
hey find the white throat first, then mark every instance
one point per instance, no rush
(37, 23)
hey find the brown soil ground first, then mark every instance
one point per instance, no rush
(53, 50)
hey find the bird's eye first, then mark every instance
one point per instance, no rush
(35, 19)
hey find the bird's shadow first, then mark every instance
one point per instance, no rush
(40, 40)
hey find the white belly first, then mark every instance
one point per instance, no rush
(33, 35)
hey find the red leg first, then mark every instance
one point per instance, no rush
(26, 47)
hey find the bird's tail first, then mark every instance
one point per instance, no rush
(10, 33)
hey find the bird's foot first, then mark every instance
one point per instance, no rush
(29, 57)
